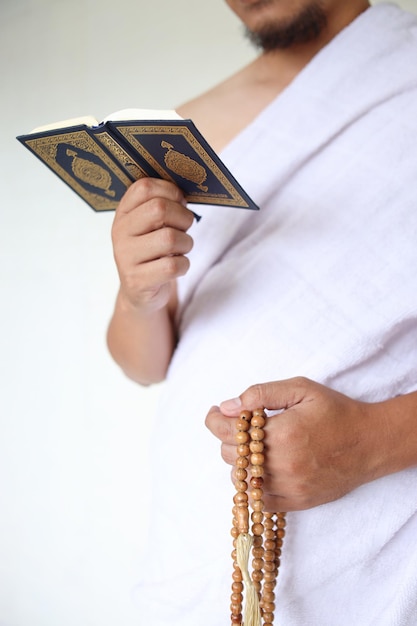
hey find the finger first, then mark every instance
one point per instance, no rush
(277, 503)
(146, 189)
(273, 396)
(154, 214)
(158, 272)
(229, 453)
(155, 245)
(222, 427)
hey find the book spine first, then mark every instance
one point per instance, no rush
(125, 156)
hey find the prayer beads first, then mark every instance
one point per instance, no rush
(267, 529)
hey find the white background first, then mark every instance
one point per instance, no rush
(74, 432)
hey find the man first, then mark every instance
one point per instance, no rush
(319, 285)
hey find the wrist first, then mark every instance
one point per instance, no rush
(142, 307)
(394, 434)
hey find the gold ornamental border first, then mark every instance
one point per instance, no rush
(128, 162)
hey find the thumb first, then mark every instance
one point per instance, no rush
(275, 395)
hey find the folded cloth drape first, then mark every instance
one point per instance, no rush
(321, 282)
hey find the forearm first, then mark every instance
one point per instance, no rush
(150, 244)
(141, 343)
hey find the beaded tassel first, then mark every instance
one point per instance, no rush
(267, 530)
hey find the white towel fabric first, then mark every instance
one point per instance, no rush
(321, 282)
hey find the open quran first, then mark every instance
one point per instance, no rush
(100, 160)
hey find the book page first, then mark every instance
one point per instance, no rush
(118, 116)
(88, 120)
(142, 114)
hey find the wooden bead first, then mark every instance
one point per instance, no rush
(240, 498)
(242, 462)
(258, 552)
(256, 494)
(242, 437)
(257, 434)
(257, 482)
(243, 449)
(246, 415)
(241, 485)
(269, 576)
(242, 424)
(257, 458)
(256, 446)
(236, 619)
(281, 522)
(236, 608)
(270, 566)
(267, 607)
(236, 599)
(268, 596)
(257, 576)
(258, 529)
(237, 575)
(258, 421)
(257, 516)
(257, 470)
(257, 563)
(237, 587)
(258, 505)
(241, 474)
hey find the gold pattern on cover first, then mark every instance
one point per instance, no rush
(91, 173)
(184, 166)
(46, 148)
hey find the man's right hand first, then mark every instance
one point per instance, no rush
(150, 242)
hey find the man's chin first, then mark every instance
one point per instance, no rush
(300, 29)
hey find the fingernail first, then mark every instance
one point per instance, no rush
(231, 405)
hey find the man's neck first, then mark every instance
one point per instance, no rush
(226, 109)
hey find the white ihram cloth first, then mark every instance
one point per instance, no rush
(321, 282)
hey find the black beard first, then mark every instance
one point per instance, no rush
(304, 27)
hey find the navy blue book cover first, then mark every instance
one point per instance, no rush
(101, 162)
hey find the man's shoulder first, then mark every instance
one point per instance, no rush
(216, 112)
(211, 100)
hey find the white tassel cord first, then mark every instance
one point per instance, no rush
(252, 614)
